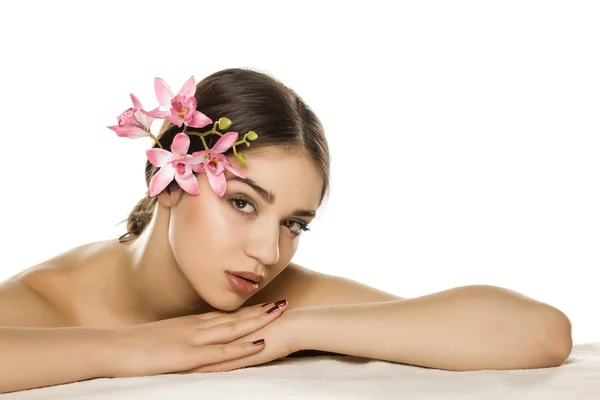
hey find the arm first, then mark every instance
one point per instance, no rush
(35, 350)
(303, 287)
(36, 357)
(466, 328)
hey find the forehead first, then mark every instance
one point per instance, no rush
(292, 177)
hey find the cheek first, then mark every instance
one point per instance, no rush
(288, 246)
(200, 229)
(286, 253)
(287, 250)
(184, 232)
(185, 225)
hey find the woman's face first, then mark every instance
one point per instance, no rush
(255, 227)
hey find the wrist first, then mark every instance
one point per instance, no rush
(301, 328)
(101, 348)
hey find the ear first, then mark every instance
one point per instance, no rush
(169, 198)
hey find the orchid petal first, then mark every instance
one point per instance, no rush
(215, 167)
(198, 120)
(174, 119)
(188, 89)
(234, 170)
(129, 131)
(159, 157)
(136, 102)
(143, 119)
(217, 182)
(187, 181)
(156, 113)
(164, 94)
(161, 179)
(197, 160)
(225, 142)
(149, 118)
(181, 143)
(140, 114)
(178, 103)
(199, 168)
(198, 156)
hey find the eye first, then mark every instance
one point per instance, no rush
(296, 227)
(241, 205)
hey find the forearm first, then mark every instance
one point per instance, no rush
(466, 328)
(36, 357)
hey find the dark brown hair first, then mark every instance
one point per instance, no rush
(252, 101)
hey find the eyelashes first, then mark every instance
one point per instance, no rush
(241, 202)
(238, 203)
(303, 226)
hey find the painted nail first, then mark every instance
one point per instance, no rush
(281, 303)
(265, 304)
(259, 342)
(272, 309)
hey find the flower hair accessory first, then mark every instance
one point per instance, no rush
(180, 110)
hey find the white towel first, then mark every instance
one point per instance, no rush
(337, 377)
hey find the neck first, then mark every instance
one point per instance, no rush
(153, 276)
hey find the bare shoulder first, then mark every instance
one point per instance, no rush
(37, 296)
(23, 305)
(303, 287)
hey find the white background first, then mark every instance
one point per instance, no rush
(464, 135)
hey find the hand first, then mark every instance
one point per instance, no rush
(184, 343)
(279, 343)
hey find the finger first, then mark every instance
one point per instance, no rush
(228, 315)
(230, 365)
(217, 314)
(220, 353)
(250, 312)
(209, 315)
(232, 330)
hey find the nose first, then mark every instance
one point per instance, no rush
(263, 244)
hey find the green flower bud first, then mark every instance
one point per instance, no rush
(252, 135)
(241, 157)
(224, 123)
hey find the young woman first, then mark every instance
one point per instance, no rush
(203, 281)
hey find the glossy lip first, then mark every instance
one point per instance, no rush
(247, 275)
(241, 285)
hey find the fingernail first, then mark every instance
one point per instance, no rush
(281, 303)
(272, 309)
(265, 304)
(259, 342)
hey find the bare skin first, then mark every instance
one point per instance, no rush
(161, 303)
(65, 292)
(159, 275)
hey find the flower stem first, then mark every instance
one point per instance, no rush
(155, 140)
(203, 142)
(241, 141)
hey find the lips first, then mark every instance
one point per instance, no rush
(246, 275)
(241, 285)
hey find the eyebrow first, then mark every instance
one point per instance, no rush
(270, 197)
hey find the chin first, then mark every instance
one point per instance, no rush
(223, 302)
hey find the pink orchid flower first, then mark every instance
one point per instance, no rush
(176, 164)
(133, 123)
(181, 107)
(214, 163)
